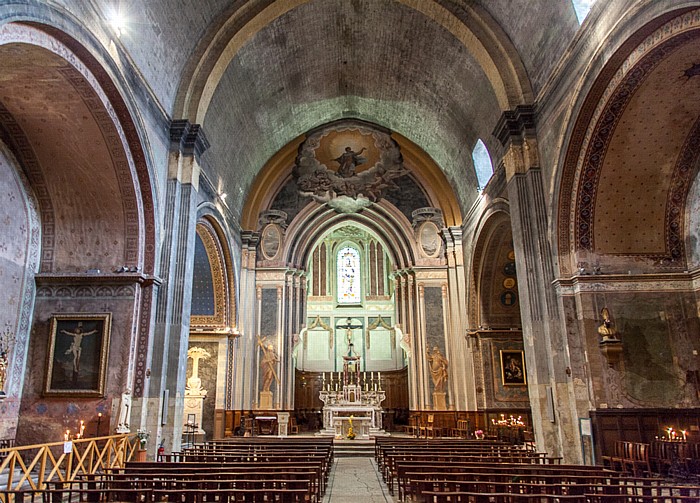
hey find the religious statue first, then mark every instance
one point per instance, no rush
(3, 371)
(348, 161)
(124, 410)
(607, 330)
(267, 364)
(349, 327)
(438, 368)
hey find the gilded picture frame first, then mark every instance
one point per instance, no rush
(513, 368)
(76, 360)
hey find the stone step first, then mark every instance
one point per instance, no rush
(353, 448)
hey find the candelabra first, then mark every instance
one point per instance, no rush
(7, 340)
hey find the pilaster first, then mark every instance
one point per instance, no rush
(462, 380)
(551, 393)
(165, 391)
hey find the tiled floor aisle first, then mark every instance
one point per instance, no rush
(356, 480)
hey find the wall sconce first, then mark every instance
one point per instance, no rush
(7, 340)
(610, 344)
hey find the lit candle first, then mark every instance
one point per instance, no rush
(684, 435)
(324, 377)
(66, 435)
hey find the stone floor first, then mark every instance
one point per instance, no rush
(355, 480)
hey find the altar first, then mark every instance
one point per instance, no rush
(352, 398)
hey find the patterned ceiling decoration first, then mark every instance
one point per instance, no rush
(604, 140)
(598, 209)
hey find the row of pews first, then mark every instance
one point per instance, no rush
(475, 471)
(242, 469)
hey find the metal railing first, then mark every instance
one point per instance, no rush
(31, 467)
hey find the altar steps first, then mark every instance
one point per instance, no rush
(353, 448)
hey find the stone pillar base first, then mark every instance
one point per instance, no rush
(439, 402)
(265, 400)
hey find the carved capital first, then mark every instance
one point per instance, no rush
(189, 138)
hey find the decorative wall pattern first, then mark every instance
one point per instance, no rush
(19, 258)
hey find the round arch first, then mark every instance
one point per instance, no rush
(594, 134)
(278, 170)
(473, 27)
(493, 218)
(109, 114)
(218, 258)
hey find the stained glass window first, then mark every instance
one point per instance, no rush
(349, 276)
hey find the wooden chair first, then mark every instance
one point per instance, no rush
(428, 429)
(293, 426)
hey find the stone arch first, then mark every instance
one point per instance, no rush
(278, 171)
(599, 151)
(106, 115)
(220, 281)
(381, 220)
(68, 121)
(19, 262)
(472, 26)
(492, 229)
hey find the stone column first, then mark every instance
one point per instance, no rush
(551, 394)
(171, 332)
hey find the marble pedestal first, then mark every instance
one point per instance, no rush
(439, 402)
(265, 400)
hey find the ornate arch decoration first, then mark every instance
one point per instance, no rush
(96, 87)
(470, 24)
(278, 170)
(595, 128)
(383, 221)
(220, 267)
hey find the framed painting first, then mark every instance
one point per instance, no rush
(513, 368)
(77, 354)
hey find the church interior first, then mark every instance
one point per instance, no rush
(477, 213)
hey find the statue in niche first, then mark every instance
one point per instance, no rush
(607, 329)
(438, 368)
(267, 364)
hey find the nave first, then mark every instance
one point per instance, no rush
(395, 469)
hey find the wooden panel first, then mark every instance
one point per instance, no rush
(639, 425)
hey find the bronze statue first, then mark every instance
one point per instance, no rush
(438, 368)
(607, 330)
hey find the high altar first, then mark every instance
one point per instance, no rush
(352, 399)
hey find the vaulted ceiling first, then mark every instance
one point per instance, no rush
(258, 74)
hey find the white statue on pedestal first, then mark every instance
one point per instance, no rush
(194, 393)
(124, 412)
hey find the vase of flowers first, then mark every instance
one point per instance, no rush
(479, 434)
(142, 437)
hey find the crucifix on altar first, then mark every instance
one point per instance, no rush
(351, 361)
(351, 402)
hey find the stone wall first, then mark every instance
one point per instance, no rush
(45, 418)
